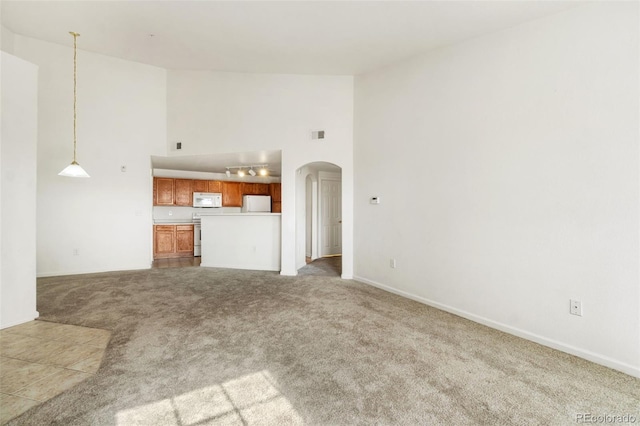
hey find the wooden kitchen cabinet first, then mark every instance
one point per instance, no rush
(250, 188)
(179, 192)
(214, 186)
(184, 239)
(200, 186)
(275, 190)
(172, 241)
(232, 194)
(183, 190)
(247, 188)
(163, 191)
(164, 237)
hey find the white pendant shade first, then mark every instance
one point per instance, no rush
(74, 170)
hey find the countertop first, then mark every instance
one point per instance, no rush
(190, 222)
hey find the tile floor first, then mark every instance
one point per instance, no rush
(39, 360)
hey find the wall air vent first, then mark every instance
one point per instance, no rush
(317, 134)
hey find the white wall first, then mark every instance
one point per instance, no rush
(121, 114)
(6, 39)
(216, 112)
(516, 180)
(18, 191)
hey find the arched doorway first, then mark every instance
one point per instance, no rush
(319, 219)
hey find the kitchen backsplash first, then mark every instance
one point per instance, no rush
(177, 213)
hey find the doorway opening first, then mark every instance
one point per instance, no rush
(319, 221)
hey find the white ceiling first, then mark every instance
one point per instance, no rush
(291, 37)
(296, 37)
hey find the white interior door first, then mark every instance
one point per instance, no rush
(331, 216)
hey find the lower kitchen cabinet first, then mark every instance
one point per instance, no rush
(184, 239)
(172, 241)
(164, 238)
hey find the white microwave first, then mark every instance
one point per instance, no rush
(207, 199)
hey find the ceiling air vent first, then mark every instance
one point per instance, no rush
(317, 134)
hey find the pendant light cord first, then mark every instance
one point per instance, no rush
(75, 90)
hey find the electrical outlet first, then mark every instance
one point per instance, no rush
(575, 307)
(392, 263)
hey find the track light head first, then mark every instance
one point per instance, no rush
(241, 173)
(251, 172)
(228, 173)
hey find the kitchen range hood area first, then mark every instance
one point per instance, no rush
(230, 221)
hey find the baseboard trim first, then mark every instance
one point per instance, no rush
(582, 353)
(91, 271)
(20, 321)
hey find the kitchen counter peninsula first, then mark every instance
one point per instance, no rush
(241, 241)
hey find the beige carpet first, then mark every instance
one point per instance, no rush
(200, 346)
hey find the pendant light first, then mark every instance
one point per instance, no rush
(74, 169)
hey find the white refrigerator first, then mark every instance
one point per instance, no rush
(256, 203)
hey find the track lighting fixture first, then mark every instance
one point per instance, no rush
(263, 170)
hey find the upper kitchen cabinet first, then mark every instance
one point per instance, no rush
(163, 191)
(255, 188)
(200, 186)
(183, 192)
(172, 192)
(275, 190)
(214, 186)
(179, 192)
(232, 194)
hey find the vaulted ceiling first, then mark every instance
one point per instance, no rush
(298, 37)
